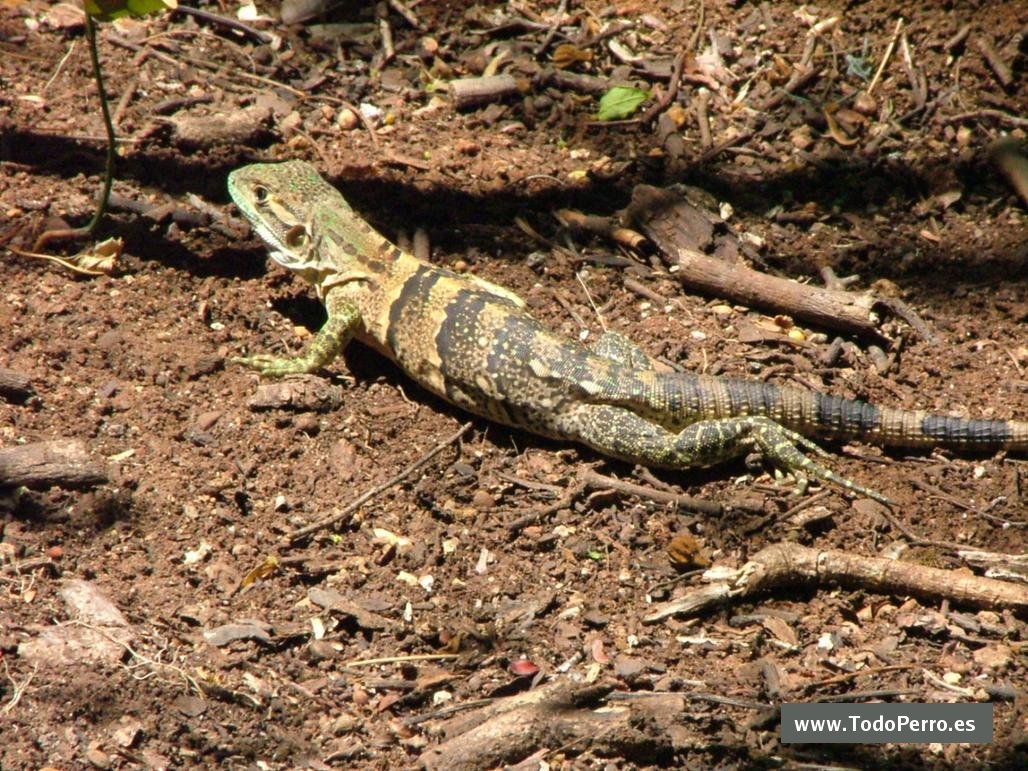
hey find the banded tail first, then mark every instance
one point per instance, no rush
(812, 413)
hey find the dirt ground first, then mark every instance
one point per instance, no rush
(481, 575)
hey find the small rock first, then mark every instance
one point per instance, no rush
(595, 619)
(307, 424)
(66, 16)
(206, 365)
(345, 460)
(98, 758)
(108, 389)
(802, 138)
(347, 119)
(483, 501)
(994, 657)
(206, 420)
(290, 123)
(629, 667)
(441, 697)
(428, 47)
(189, 705)
(319, 650)
(127, 732)
(344, 724)
(865, 104)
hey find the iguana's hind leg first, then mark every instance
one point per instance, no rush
(623, 434)
(617, 348)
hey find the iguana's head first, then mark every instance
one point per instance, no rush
(279, 200)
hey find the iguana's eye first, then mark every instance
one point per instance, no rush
(260, 193)
(296, 236)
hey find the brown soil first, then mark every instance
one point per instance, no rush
(203, 488)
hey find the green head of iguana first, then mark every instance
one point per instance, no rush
(291, 207)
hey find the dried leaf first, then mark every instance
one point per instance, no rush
(781, 630)
(620, 102)
(685, 552)
(567, 54)
(836, 132)
(523, 667)
(101, 259)
(108, 10)
(266, 568)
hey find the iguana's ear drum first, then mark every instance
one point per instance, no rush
(296, 237)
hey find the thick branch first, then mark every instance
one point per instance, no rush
(795, 565)
(825, 308)
(57, 463)
(563, 714)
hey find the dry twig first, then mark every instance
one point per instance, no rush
(885, 57)
(995, 62)
(303, 532)
(669, 94)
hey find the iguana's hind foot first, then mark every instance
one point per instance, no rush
(623, 434)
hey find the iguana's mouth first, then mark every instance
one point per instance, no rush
(283, 258)
(276, 247)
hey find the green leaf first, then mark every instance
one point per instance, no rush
(620, 102)
(107, 10)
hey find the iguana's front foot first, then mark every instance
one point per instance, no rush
(275, 366)
(326, 346)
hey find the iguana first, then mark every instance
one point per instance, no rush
(475, 344)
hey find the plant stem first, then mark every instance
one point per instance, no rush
(101, 206)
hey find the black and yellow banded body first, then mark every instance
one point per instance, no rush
(474, 344)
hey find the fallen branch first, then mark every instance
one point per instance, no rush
(57, 463)
(669, 94)
(843, 311)
(558, 17)
(472, 92)
(566, 715)
(304, 394)
(227, 22)
(573, 81)
(670, 222)
(795, 565)
(603, 226)
(590, 480)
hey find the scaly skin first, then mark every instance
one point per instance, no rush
(474, 344)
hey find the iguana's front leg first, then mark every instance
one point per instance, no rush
(343, 320)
